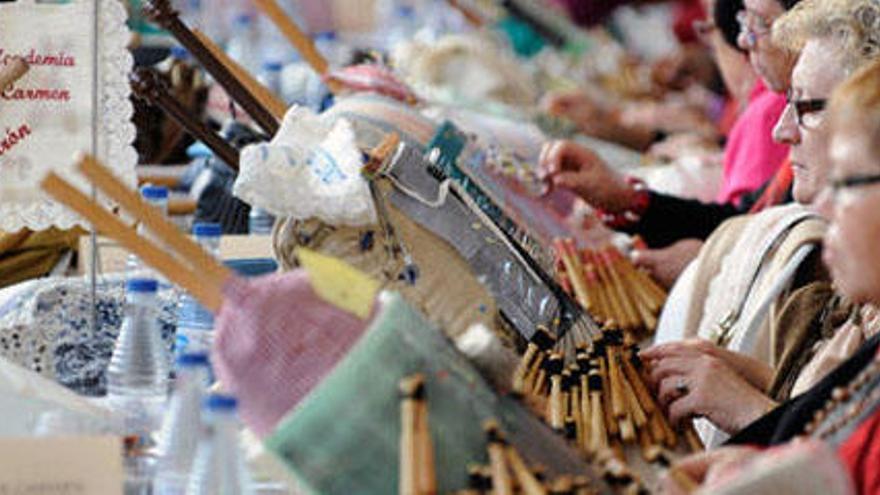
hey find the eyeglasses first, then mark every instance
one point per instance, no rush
(752, 26)
(808, 112)
(854, 181)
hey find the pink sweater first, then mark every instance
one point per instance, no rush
(751, 157)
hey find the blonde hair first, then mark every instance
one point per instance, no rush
(857, 102)
(854, 24)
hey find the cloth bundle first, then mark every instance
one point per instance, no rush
(276, 339)
(350, 422)
(311, 169)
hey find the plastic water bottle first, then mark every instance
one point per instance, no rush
(244, 43)
(195, 324)
(218, 468)
(404, 26)
(137, 377)
(181, 429)
(270, 76)
(336, 52)
(156, 196)
(260, 221)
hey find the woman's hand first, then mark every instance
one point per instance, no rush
(695, 380)
(568, 165)
(595, 119)
(754, 371)
(666, 264)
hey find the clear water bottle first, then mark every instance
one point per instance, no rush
(336, 52)
(195, 324)
(244, 43)
(404, 26)
(260, 221)
(137, 377)
(219, 468)
(181, 428)
(270, 76)
(156, 196)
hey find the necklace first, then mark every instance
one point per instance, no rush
(824, 425)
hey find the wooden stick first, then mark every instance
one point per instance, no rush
(303, 44)
(598, 433)
(209, 295)
(565, 250)
(148, 85)
(555, 414)
(618, 404)
(212, 270)
(615, 310)
(625, 297)
(585, 407)
(575, 402)
(692, 438)
(427, 480)
(627, 429)
(264, 95)
(638, 414)
(610, 423)
(540, 341)
(472, 17)
(12, 72)
(646, 400)
(622, 312)
(162, 13)
(502, 483)
(529, 485)
(182, 206)
(411, 388)
(646, 444)
(642, 280)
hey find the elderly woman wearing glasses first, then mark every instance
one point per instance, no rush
(675, 227)
(731, 311)
(836, 422)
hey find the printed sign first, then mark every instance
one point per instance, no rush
(74, 99)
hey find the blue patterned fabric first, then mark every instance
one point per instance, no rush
(46, 327)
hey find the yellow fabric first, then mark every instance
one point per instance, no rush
(339, 283)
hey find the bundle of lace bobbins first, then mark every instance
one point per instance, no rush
(599, 400)
(506, 473)
(610, 287)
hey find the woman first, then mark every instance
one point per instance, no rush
(848, 419)
(672, 226)
(687, 374)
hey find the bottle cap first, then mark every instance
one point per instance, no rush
(192, 359)
(326, 36)
(154, 192)
(207, 229)
(142, 285)
(179, 52)
(272, 66)
(220, 402)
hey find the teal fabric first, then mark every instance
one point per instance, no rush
(525, 40)
(343, 438)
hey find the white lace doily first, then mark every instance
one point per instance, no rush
(59, 30)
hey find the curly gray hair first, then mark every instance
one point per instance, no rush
(855, 24)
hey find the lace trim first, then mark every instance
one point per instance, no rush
(115, 135)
